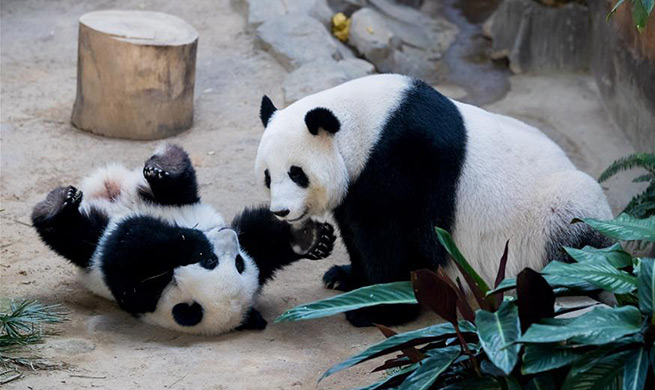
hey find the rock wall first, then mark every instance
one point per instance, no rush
(623, 63)
(537, 38)
(389, 36)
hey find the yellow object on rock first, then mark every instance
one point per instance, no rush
(340, 26)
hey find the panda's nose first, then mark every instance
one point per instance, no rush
(281, 213)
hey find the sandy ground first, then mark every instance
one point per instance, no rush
(104, 347)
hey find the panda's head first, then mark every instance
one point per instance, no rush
(298, 161)
(211, 294)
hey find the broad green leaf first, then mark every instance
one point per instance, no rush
(636, 369)
(555, 281)
(542, 382)
(647, 286)
(392, 344)
(511, 383)
(625, 227)
(648, 5)
(602, 373)
(614, 255)
(498, 332)
(447, 241)
(379, 294)
(390, 378)
(601, 275)
(436, 362)
(506, 284)
(540, 358)
(599, 326)
(639, 15)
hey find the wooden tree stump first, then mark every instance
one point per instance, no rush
(135, 74)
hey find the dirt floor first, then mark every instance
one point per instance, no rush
(104, 347)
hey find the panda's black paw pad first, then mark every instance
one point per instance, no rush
(338, 278)
(168, 163)
(153, 173)
(72, 198)
(325, 243)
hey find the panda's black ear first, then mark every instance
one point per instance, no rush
(266, 110)
(323, 118)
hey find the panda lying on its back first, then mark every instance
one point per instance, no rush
(392, 158)
(143, 238)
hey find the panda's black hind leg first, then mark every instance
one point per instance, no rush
(59, 203)
(253, 321)
(171, 177)
(65, 229)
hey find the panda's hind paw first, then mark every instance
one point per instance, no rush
(73, 198)
(153, 173)
(170, 163)
(59, 203)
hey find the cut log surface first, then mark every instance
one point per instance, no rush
(135, 74)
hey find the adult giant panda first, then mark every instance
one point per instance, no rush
(144, 239)
(392, 158)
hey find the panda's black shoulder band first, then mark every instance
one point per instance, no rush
(321, 117)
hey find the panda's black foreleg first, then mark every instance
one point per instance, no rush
(252, 321)
(69, 232)
(273, 244)
(139, 259)
(171, 177)
(382, 258)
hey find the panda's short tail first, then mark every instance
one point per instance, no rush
(575, 236)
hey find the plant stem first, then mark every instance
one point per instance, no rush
(467, 351)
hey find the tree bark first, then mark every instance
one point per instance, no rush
(135, 74)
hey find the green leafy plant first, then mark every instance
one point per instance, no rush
(21, 326)
(521, 341)
(642, 205)
(641, 10)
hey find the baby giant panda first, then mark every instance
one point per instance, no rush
(144, 239)
(391, 158)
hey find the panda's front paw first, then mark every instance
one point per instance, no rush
(339, 277)
(325, 243)
(313, 240)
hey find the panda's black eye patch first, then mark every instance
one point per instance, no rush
(210, 262)
(267, 179)
(298, 176)
(240, 264)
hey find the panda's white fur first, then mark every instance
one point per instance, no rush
(519, 185)
(224, 294)
(514, 184)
